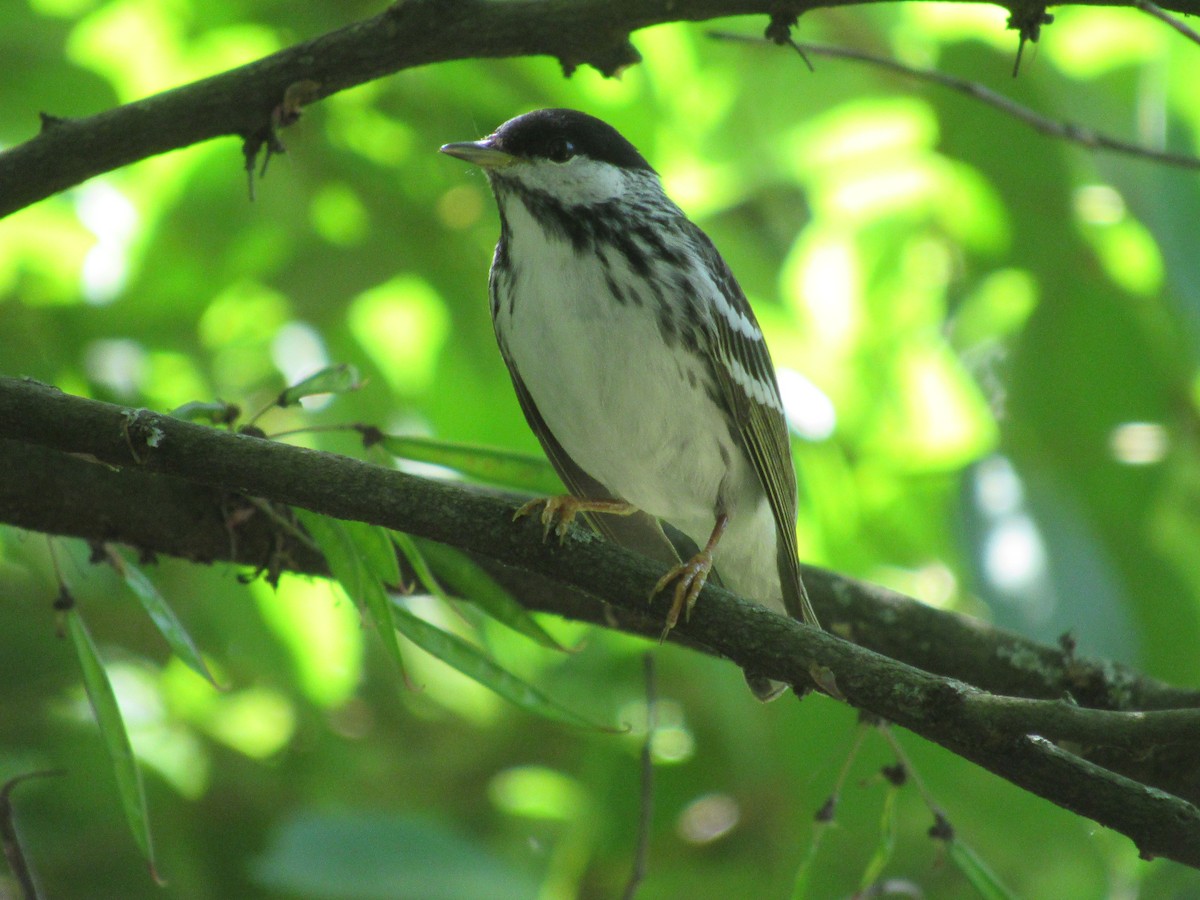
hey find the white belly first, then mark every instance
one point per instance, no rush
(617, 402)
(635, 417)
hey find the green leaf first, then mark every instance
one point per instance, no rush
(804, 871)
(378, 552)
(468, 580)
(977, 873)
(489, 464)
(352, 551)
(162, 616)
(339, 379)
(472, 662)
(887, 841)
(112, 730)
(416, 559)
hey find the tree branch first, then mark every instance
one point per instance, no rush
(180, 461)
(1157, 11)
(255, 100)
(1066, 131)
(52, 491)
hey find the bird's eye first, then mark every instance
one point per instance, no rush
(561, 150)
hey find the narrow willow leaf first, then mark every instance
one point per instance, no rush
(162, 616)
(887, 841)
(805, 869)
(982, 878)
(347, 561)
(374, 543)
(489, 464)
(472, 662)
(339, 379)
(112, 730)
(468, 580)
(416, 558)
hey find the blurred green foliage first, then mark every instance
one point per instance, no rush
(989, 343)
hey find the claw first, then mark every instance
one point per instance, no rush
(690, 578)
(557, 513)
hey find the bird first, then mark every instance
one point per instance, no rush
(639, 365)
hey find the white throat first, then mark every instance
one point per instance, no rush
(577, 182)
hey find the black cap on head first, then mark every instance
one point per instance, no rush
(559, 134)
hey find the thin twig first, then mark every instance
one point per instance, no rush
(1163, 16)
(829, 808)
(889, 736)
(646, 805)
(826, 814)
(1069, 131)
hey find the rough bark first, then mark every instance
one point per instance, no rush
(985, 694)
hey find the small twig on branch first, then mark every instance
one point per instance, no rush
(1069, 131)
(1163, 16)
(1062, 721)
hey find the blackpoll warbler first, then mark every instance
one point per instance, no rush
(638, 362)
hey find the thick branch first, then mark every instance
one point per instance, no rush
(253, 100)
(248, 101)
(51, 491)
(993, 732)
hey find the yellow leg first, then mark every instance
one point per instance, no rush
(559, 512)
(690, 577)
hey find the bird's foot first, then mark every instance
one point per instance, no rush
(559, 512)
(689, 578)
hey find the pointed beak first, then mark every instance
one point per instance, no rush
(481, 153)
